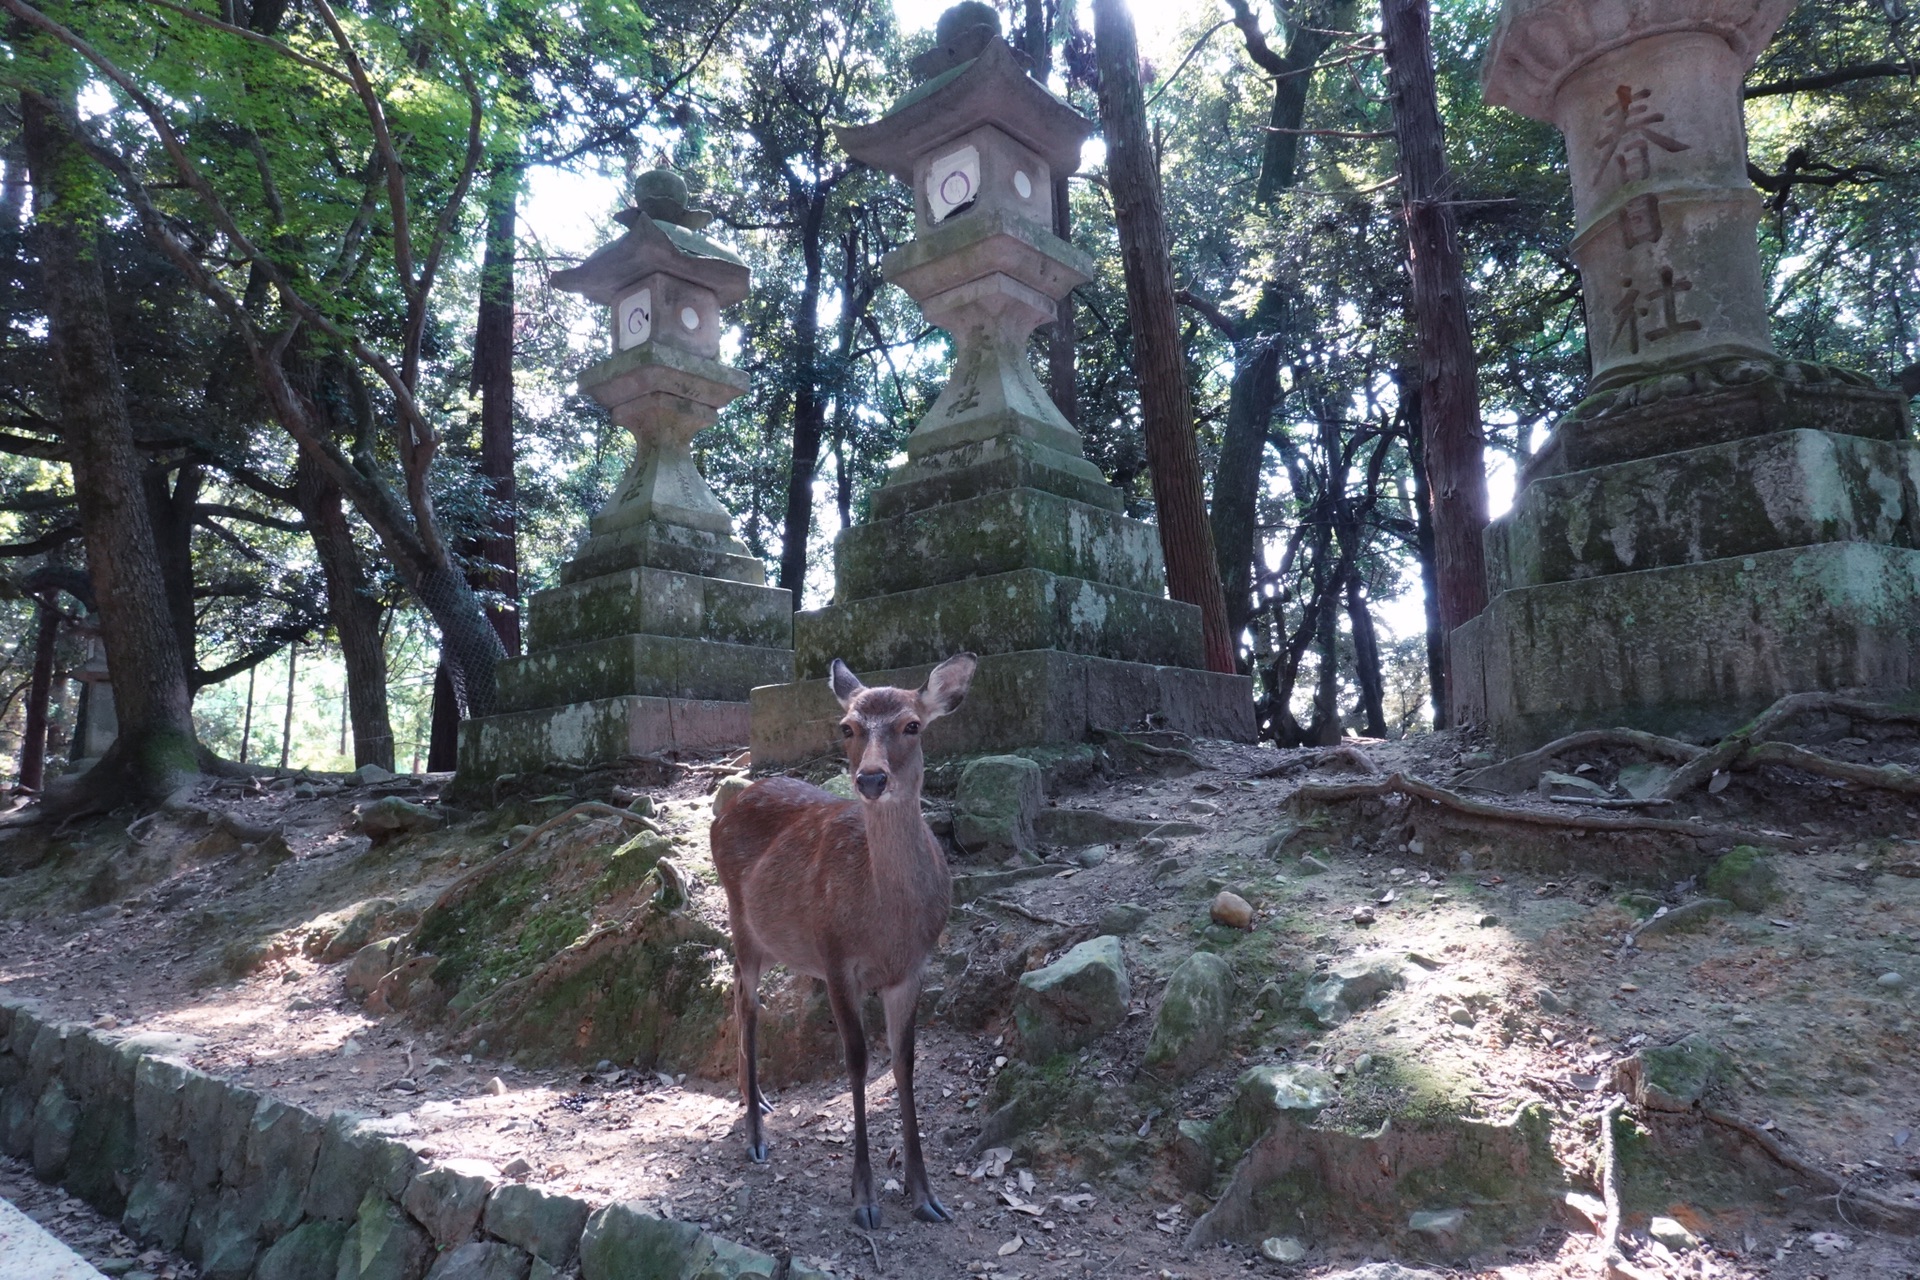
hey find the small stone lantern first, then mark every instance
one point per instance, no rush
(663, 284)
(662, 621)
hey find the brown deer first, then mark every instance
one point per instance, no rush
(855, 892)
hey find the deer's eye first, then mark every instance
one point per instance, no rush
(846, 731)
(910, 728)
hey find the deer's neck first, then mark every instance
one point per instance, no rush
(904, 874)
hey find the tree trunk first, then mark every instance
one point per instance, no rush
(33, 739)
(443, 724)
(1236, 478)
(286, 720)
(1166, 412)
(1423, 551)
(493, 379)
(354, 612)
(157, 750)
(1366, 659)
(1455, 470)
(809, 407)
(1325, 730)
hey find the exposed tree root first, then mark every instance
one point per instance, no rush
(1863, 1204)
(1610, 1258)
(1522, 773)
(1413, 788)
(1351, 758)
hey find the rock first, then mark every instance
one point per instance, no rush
(382, 1244)
(544, 1225)
(55, 1118)
(350, 1164)
(1383, 1271)
(1264, 1094)
(1890, 980)
(1282, 1249)
(390, 817)
(1280, 837)
(1489, 921)
(1093, 855)
(368, 774)
(376, 915)
(995, 805)
(1686, 916)
(157, 1212)
(1191, 1156)
(1669, 1232)
(1744, 876)
(1548, 1001)
(448, 1203)
(1552, 783)
(1352, 987)
(723, 795)
(1073, 1001)
(1165, 867)
(311, 1251)
(1231, 910)
(1122, 918)
(410, 983)
(1205, 808)
(1190, 1029)
(482, 1260)
(1673, 1077)
(1440, 1225)
(1643, 781)
(370, 964)
(1589, 1211)
(622, 1242)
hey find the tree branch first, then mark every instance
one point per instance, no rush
(251, 517)
(255, 37)
(1829, 79)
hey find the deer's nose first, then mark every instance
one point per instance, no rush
(871, 783)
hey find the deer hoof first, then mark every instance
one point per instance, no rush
(867, 1217)
(757, 1151)
(931, 1210)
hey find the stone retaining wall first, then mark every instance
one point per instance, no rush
(252, 1188)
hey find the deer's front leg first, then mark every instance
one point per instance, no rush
(845, 1002)
(900, 1003)
(746, 1009)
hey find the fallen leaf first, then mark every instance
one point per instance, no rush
(1720, 780)
(1012, 1246)
(1829, 1243)
(1026, 1181)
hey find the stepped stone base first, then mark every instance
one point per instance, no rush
(1690, 650)
(1022, 699)
(603, 730)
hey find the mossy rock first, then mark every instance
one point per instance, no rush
(1190, 1030)
(1746, 877)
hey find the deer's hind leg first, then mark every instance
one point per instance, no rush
(748, 965)
(844, 998)
(899, 1002)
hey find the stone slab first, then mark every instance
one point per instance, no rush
(594, 732)
(661, 602)
(663, 546)
(1764, 493)
(31, 1254)
(997, 533)
(1020, 699)
(1692, 408)
(1691, 650)
(1007, 457)
(1003, 613)
(653, 666)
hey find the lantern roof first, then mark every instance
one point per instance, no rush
(974, 78)
(663, 235)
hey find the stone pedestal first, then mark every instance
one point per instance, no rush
(1713, 527)
(662, 621)
(996, 534)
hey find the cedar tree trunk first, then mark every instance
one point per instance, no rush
(351, 607)
(1166, 412)
(1456, 474)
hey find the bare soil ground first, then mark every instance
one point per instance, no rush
(1527, 988)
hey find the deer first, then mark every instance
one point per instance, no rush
(853, 892)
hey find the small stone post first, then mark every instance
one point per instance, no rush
(1711, 527)
(662, 621)
(996, 534)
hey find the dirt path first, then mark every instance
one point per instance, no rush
(1522, 990)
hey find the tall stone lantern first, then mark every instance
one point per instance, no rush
(1712, 527)
(662, 621)
(995, 534)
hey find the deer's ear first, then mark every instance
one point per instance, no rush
(946, 686)
(844, 683)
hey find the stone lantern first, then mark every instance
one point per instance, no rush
(1712, 527)
(995, 534)
(662, 621)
